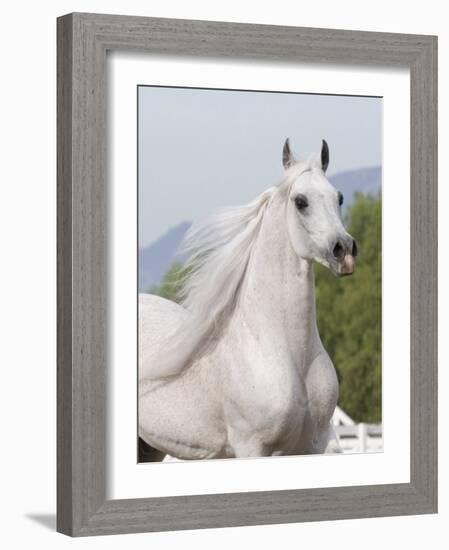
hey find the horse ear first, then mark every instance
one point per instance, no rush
(324, 155)
(287, 157)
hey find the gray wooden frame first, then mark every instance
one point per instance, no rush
(83, 40)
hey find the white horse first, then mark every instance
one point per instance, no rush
(239, 370)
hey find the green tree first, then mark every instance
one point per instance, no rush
(349, 314)
(172, 283)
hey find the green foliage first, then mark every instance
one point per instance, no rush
(172, 283)
(349, 314)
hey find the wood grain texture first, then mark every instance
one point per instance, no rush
(423, 273)
(83, 40)
(64, 276)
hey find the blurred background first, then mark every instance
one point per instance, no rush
(204, 149)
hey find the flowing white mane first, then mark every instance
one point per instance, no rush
(218, 248)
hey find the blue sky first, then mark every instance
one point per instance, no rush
(202, 149)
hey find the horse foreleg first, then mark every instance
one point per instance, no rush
(147, 453)
(333, 445)
(327, 442)
(251, 447)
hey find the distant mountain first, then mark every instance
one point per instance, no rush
(155, 259)
(366, 180)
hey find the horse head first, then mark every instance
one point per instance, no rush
(314, 220)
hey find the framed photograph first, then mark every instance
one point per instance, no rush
(247, 274)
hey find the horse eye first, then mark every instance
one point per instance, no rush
(301, 202)
(340, 198)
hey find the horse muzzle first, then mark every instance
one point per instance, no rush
(346, 267)
(345, 254)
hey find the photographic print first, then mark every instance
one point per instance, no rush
(259, 274)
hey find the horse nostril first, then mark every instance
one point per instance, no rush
(355, 250)
(338, 251)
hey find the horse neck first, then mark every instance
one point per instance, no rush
(278, 296)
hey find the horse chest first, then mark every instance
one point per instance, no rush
(271, 411)
(282, 411)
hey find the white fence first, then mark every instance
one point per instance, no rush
(357, 438)
(360, 438)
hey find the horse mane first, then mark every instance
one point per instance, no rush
(218, 250)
